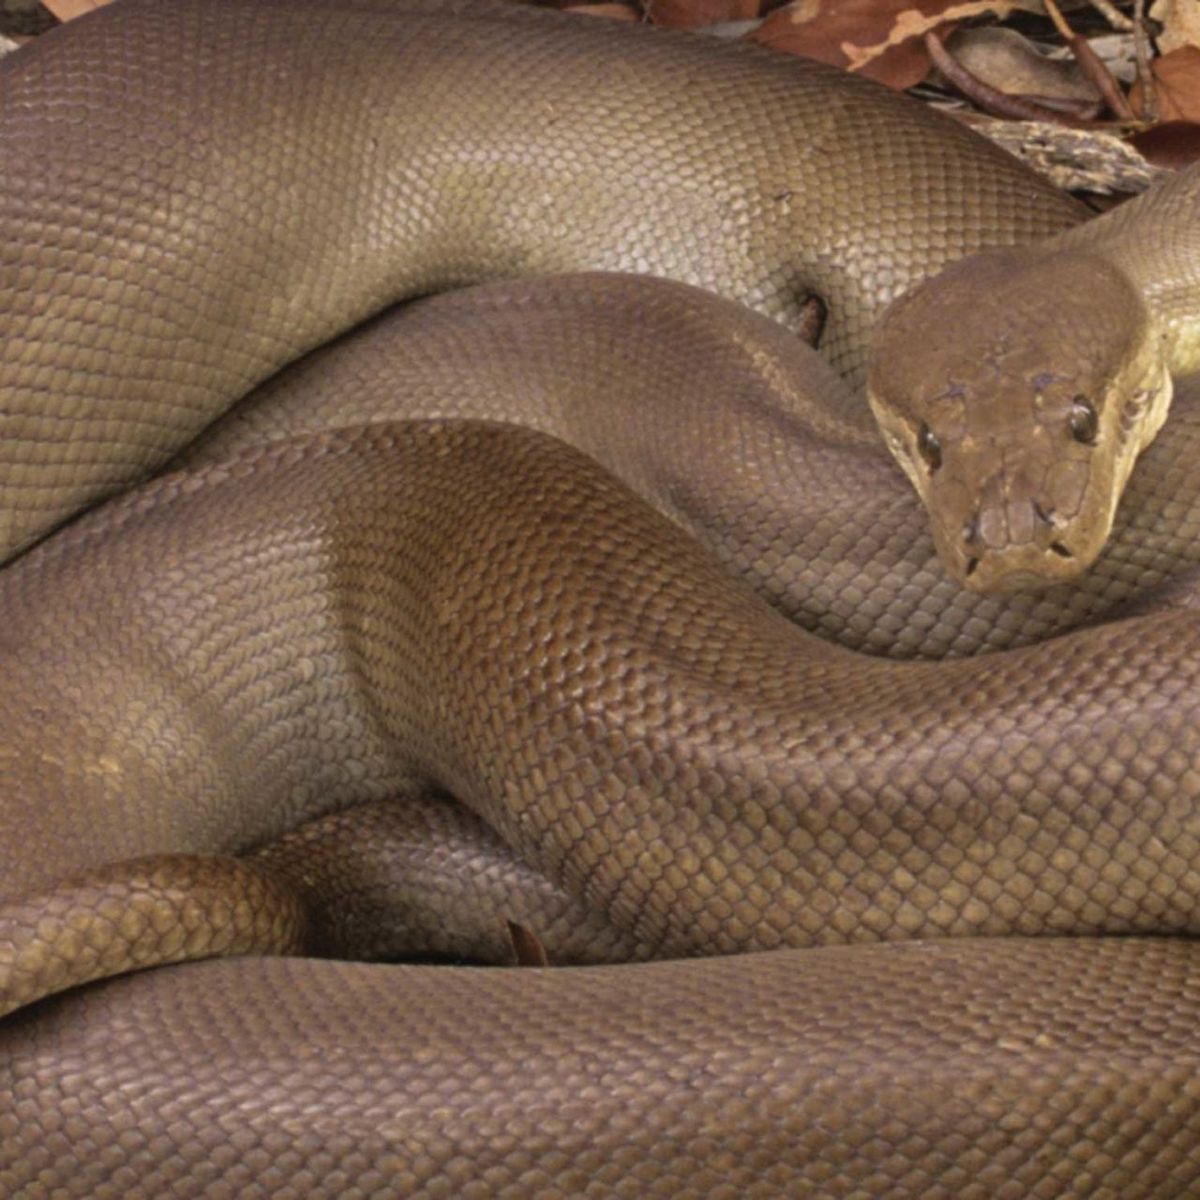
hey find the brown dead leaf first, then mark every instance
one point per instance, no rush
(67, 10)
(877, 38)
(1177, 86)
(688, 14)
(1169, 144)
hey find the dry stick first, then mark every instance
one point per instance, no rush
(1145, 74)
(1095, 69)
(1113, 15)
(991, 99)
(1091, 66)
(1055, 14)
(1084, 109)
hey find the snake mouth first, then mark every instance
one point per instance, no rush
(1023, 545)
(1055, 553)
(1020, 569)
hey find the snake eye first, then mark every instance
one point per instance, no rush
(1083, 420)
(929, 447)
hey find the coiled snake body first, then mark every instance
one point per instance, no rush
(367, 583)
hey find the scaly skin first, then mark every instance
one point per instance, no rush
(213, 223)
(1020, 425)
(319, 621)
(199, 191)
(815, 517)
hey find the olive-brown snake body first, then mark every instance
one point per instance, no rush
(321, 618)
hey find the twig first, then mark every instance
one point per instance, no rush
(1085, 110)
(1141, 48)
(1055, 14)
(1113, 15)
(1091, 66)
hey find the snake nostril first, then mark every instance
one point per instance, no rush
(1061, 550)
(1045, 515)
(971, 528)
(972, 563)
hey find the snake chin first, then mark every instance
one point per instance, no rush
(1021, 569)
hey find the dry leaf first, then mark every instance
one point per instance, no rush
(1009, 62)
(688, 14)
(66, 10)
(877, 38)
(1177, 86)
(1170, 144)
(1180, 20)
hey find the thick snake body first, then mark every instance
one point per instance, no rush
(323, 668)
(462, 129)
(946, 1069)
(327, 605)
(810, 474)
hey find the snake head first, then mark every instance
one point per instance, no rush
(1016, 389)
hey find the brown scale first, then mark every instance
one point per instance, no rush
(298, 649)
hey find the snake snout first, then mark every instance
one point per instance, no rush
(999, 522)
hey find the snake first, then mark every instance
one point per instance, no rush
(420, 614)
